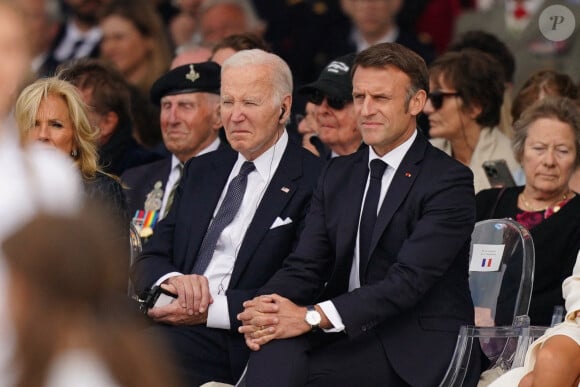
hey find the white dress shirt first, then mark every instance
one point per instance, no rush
(220, 268)
(393, 159)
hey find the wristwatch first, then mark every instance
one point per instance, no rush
(312, 318)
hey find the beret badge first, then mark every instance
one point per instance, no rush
(192, 75)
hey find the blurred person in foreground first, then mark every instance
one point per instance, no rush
(377, 287)
(67, 280)
(546, 142)
(33, 180)
(465, 96)
(236, 216)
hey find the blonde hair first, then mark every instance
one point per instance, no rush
(84, 134)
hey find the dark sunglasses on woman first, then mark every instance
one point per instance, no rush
(436, 97)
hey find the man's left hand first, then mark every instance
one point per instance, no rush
(270, 317)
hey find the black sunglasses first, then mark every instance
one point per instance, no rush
(436, 97)
(336, 103)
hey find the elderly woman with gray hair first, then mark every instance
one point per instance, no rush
(546, 143)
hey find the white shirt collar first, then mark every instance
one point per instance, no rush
(394, 157)
(268, 161)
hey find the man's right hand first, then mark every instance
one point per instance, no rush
(192, 292)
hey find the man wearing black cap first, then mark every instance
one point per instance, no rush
(236, 216)
(189, 99)
(332, 93)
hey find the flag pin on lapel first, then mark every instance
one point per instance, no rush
(285, 189)
(407, 174)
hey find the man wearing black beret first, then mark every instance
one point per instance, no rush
(188, 96)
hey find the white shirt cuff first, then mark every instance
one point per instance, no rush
(217, 314)
(332, 314)
(166, 276)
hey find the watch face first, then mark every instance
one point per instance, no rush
(313, 318)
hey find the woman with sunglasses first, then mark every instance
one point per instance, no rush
(464, 105)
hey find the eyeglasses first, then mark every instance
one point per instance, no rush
(336, 103)
(436, 97)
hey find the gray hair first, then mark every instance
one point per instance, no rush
(559, 108)
(280, 72)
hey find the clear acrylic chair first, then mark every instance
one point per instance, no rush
(135, 248)
(501, 275)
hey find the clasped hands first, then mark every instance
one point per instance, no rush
(190, 307)
(270, 317)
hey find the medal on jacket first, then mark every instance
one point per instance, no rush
(154, 198)
(145, 220)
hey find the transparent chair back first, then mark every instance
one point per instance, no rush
(501, 275)
(135, 248)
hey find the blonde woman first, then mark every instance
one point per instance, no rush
(50, 111)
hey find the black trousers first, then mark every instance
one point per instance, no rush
(304, 361)
(200, 354)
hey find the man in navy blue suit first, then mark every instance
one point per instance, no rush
(377, 288)
(236, 216)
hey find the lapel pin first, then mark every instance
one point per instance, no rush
(285, 189)
(407, 174)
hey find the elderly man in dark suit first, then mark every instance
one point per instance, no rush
(382, 265)
(189, 99)
(236, 216)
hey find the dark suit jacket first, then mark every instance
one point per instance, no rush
(139, 181)
(178, 237)
(414, 293)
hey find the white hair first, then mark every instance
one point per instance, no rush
(281, 74)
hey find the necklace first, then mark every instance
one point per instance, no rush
(534, 209)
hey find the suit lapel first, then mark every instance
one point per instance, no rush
(346, 238)
(402, 182)
(202, 198)
(280, 190)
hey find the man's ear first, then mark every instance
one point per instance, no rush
(285, 109)
(216, 120)
(417, 102)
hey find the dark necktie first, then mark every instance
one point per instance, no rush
(75, 48)
(225, 214)
(369, 213)
(172, 193)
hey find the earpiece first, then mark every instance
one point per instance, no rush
(282, 112)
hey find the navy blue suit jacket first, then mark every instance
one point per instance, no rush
(414, 293)
(177, 239)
